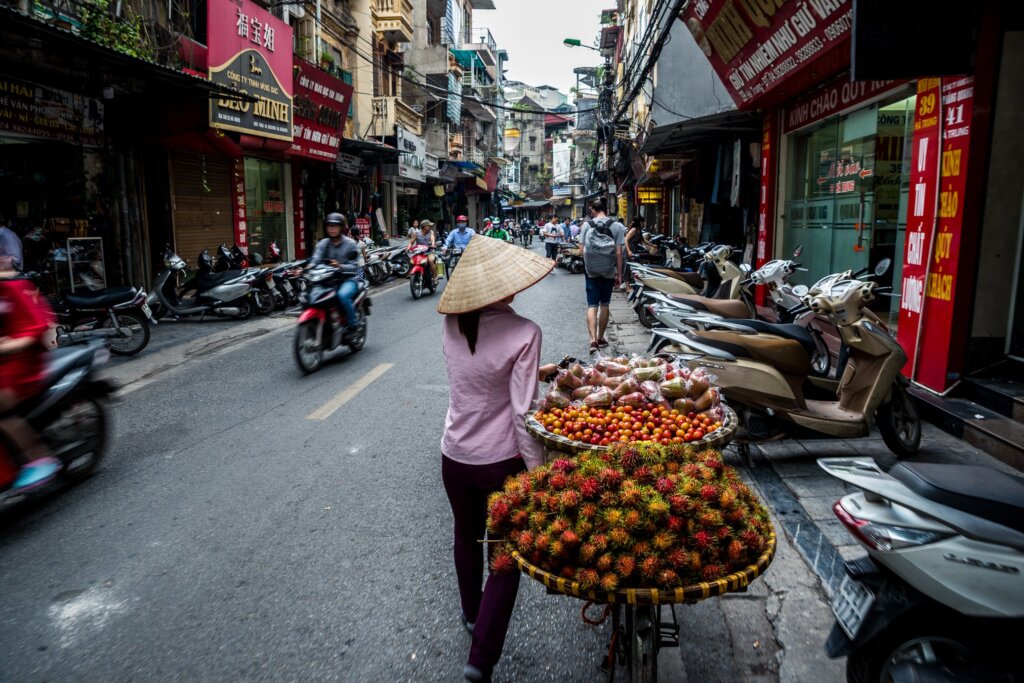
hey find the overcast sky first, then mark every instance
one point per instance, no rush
(533, 30)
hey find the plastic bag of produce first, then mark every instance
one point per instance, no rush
(557, 399)
(698, 384)
(645, 374)
(707, 400)
(684, 405)
(576, 369)
(674, 388)
(567, 380)
(614, 382)
(583, 392)
(611, 368)
(627, 386)
(601, 397)
(651, 390)
(636, 400)
(594, 377)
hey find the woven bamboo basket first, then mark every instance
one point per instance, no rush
(652, 596)
(718, 439)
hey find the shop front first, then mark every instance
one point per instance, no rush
(406, 177)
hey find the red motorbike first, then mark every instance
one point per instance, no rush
(322, 326)
(422, 275)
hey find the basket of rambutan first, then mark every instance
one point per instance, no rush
(635, 523)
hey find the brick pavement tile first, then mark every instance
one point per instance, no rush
(851, 552)
(819, 507)
(835, 532)
(798, 467)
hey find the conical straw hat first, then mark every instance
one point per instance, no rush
(491, 270)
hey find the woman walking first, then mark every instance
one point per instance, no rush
(492, 355)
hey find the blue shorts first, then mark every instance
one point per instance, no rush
(599, 291)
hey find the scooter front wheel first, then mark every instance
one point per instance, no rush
(264, 302)
(309, 353)
(138, 336)
(899, 423)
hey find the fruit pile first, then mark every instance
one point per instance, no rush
(644, 516)
(625, 424)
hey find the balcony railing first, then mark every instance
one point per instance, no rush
(393, 20)
(391, 111)
(481, 40)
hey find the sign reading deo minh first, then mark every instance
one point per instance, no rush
(250, 51)
(755, 45)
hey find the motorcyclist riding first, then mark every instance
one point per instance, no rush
(459, 237)
(338, 249)
(498, 232)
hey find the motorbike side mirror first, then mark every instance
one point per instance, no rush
(883, 267)
(799, 250)
(745, 267)
(800, 291)
(257, 259)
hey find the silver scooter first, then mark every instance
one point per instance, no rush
(940, 595)
(229, 299)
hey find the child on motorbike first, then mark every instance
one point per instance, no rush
(24, 320)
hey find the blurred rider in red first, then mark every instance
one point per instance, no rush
(25, 318)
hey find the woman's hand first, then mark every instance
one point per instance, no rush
(546, 371)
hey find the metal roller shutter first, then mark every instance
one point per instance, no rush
(202, 219)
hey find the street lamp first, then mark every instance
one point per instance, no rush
(575, 42)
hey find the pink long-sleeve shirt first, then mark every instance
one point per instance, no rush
(489, 392)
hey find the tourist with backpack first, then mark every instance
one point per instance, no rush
(602, 239)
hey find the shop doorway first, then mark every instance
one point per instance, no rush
(266, 206)
(847, 190)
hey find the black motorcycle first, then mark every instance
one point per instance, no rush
(68, 413)
(322, 326)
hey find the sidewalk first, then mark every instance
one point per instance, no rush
(800, 494)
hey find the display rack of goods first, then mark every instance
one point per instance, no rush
(639, 523)
(622, 400)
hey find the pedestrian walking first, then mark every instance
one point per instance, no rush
(493, 358)
(11, 256)
(552, 235)
(602, 239)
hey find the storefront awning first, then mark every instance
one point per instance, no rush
(353, 146)
(536, 204)
(685, 136)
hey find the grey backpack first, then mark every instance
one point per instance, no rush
(599, 249)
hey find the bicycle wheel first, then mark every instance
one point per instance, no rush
(641, 631)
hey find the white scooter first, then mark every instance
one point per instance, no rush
(940, 596)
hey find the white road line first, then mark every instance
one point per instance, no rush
(350, 392)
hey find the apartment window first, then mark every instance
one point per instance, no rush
(533, 144)
(431, 28)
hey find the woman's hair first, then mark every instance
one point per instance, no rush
(469, 327)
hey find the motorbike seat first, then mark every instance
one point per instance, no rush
(208, 280)
(102, 298)
(689, 277)
(797, 333)
(786, 355)
(980, 491)
(727, 308)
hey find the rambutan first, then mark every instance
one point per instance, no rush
(711, 518)
(752, 540)
(629, 459)
(611, 478)
(502, 562)
(625, 566)
(525, 540)
(562, 465)
(678, 558)
(584, 528)
(619, 537)
(649, 567)
(543, 543)
(702, 539)
(658, 470)
(587, 578)
(568, 572)
(609, 582)
(735, 516)
(643, 474)
(632, 519)
(588, 551)
(558, 481)
(665, 485)
(657, 507)
(663, 540)
(588, 511)
(723, 533)
(712, 459)
(691, 470)
(569, 499)
(675, 524)
(710, 572)
(590, 487)
(605, 562)
(709, 492)
(600, 541)
(557, 549)
(630, 494)
(678, 504)
(708, 474)
(570, 539)
(641, 548)
(538, 518)
(728, 498)
(735, 552)
(559, 525)
(608, 499)
(519, 518)
(673, 467)
(689, 487)
(668, 578)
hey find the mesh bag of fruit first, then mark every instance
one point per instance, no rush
(630, 517)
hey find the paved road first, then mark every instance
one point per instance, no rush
(227, 536)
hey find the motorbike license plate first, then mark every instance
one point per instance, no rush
(850, 604)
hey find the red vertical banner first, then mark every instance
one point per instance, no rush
(934, 362)
(241, 224)
(766, 211)
(924, 155)
(299, 211)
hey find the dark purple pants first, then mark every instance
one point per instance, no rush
(490, 609)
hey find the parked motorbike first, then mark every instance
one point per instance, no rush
(400, 262)
(940, 594)
(721, 288)
(225, 299)
(767, 376)
(68, 413)
(423, 274)
(570, 257)
(322, 326)
(232, 267)
(378, 266)
(120, 315)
